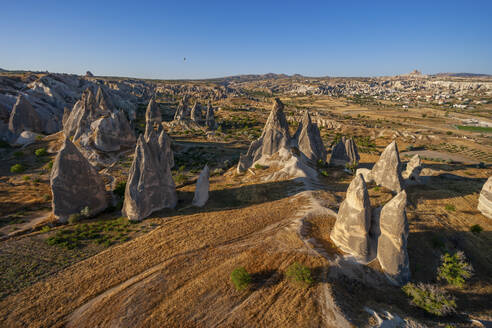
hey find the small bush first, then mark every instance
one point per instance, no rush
(240, 278)
(300, 274)
(454, 269)
(120, 189)
(450, 207)
(40, 152)
(430, 298)
(26, 178)
(17, 168)
(260, 167)
(18, 154)
(324, 173)
(49, 165)
(46, 228)
(476, 229)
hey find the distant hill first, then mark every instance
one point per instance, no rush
(3, 70)
(463, 74)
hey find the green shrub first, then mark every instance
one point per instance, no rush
(17, 168)
(40, 152)
(454, 269)
(476, 229)
(430, 298)
(46, 228)
(450, 207)
(120, 189)
(240, 278)
(300, 274)
(49, 165)
(26, 178)
(18, 154)
(260, 167)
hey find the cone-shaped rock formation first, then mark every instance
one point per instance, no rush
(392, 242)
(343, 152)
(150, 186)
(387, 170)
(75, 184)
(351, 230)
(196, 113)
(202, 186)
(309, 140)
(274, 137)
(210, 119)
(153, 113)
(414, 166)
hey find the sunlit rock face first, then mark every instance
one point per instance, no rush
(351, 230)
(392, 242)
(75, 184)
(150, 186)
(485, 199)
(274, 137)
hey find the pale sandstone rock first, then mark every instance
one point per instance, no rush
(75, 184)
(351, 230)
(485, 199)
(387, 170)
(150, 186)
(275, 136)
(202, 186)
(392, 242)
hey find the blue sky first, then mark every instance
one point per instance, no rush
(219, 38)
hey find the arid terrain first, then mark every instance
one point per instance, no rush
(172, 268)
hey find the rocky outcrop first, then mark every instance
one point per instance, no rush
(485, 199)
(202, 186)
(150, 186)
(343, 152)
(196, 113)
(351, 230)
(95, 123)
(75, 184)
(210, 118)
(165, 142)
(392, 241)
(113, 132)
(309, 140)
(274, 137)
(413, 169)
(153, 113)
(387, 170)
(24, 118)
(182, 111)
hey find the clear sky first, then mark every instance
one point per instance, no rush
(218, 38)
